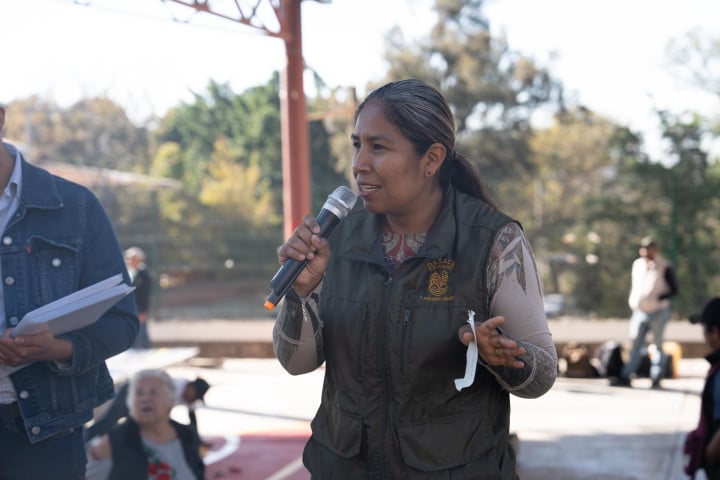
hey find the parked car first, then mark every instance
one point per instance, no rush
(554, 304)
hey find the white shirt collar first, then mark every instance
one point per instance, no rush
(15, 182)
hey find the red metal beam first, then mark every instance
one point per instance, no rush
(293, 107)
(295, 144)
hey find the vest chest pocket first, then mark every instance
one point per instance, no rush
(430, 350)
(346, 341)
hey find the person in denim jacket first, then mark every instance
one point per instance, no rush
(56, 239)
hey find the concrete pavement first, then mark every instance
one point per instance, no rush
(581, 429)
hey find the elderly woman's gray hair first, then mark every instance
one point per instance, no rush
(150, 373)
(135, 252)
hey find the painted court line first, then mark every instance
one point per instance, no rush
(287, 470)
(232, 443)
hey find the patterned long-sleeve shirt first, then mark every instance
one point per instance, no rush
(516, 294)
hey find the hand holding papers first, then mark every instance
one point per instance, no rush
(77, 310)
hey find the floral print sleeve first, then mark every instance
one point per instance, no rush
(516, 294)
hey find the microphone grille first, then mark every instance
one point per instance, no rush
(341, 201)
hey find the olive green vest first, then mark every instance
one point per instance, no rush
(390, 409)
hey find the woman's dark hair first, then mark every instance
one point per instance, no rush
(423, 115)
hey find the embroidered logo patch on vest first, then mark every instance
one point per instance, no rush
(439, 273)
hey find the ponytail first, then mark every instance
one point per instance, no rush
(457, 171)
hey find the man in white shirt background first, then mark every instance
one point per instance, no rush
(653, 285)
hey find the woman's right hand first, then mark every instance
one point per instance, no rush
(305, 243)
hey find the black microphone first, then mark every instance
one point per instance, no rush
(336, 207)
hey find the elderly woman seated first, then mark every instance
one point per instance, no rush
(149, 444)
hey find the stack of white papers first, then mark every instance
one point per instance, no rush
(77, 310)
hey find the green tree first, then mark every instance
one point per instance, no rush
(692, 182)
(676, 204)
(248, 124)
(226, 150)
(93, 132)
(575, 247)
(493, 91)
(232, 187)
(691, 188)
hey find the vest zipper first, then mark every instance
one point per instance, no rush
(363, 334)
(382, 336)
(403, 339)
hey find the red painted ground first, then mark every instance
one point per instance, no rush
(257, 456)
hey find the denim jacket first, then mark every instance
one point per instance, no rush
(58, 241)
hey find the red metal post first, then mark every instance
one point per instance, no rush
(295, 143)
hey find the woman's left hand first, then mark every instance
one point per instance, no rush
(495, 348)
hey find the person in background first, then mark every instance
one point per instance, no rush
(423, 272)
(187, 392)
(135, 261)
(653, 284)
(56, 239)
(708, 431)
(149, 445)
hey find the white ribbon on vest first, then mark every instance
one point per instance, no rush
(471, 357)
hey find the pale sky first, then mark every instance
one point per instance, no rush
(609, 54)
